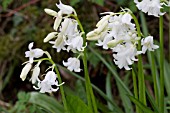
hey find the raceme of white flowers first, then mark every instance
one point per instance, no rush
(116, 31)
(152, 7)
(66, 35)
(50, 78)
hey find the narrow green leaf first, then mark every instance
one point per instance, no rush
(80, 90)
(167, 77)
(141, 105)
(109, 91)
(125, 100)
(152, 101)
(46, 102)
(76, 105)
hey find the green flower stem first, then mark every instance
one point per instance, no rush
(60, 81)
(89, 90)
(153, 68)
(152, 59)
(169, 36)
(135, 88)
(141, 80)
(161, 99)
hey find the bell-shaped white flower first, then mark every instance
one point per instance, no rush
(152, 7)
(50, 36)
(33, 53)
(125, 55)
(51, 12)
(147, 44)
(58, 43)
(72, 64)
(120, 26)
(69, 27)
(65, 9)
(75, 43)
(25, 71)
(49, 81)
(35, 74)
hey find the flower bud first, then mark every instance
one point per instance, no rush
(93, 37)
(25, 71)
(91, 33)
(50, 36)
(105, 18)
(57, 21)
(50, 12)
(101, 27)
(113, 43)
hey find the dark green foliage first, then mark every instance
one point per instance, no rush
(5, 3)
(76, 105)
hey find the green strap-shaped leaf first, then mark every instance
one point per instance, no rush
(76, 105)
(140, 105)
(48, 103)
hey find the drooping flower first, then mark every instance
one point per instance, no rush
(75, 43)
(119, 28)
(69, 28)
(125, 55)
(49, 81)
(72, 64)
(35, 74)
(152, 7)
(65, 9)
(147, 44)
(101, 30)
(33, 53)
(59, 43)
(25, 71)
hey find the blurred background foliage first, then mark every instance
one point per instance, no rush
(24, 21)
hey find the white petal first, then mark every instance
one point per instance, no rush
(31, 59)
(66, 9)
(36, 72)
(126, 18)
(30, 45)
(38, 52)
